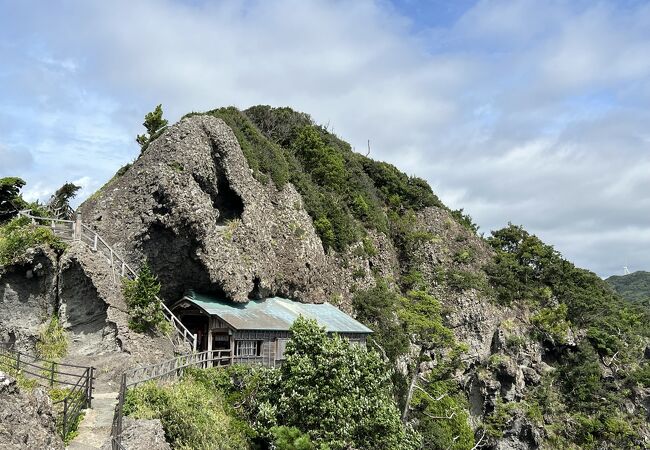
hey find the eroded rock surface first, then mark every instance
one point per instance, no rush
(192, 207)
(28, 296)
(26, 419)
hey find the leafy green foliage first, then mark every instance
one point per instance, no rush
(343, 192)
(193, 416)
(19, 234)
(442, 415)
(154, 124)
(291, 438)
(377, 308)
(144, 308)
(9, 196)
(337, 391)
(61, 198)
(634, 287)
(553, 323)
(52, 341)
(327, 395)
(589, 405)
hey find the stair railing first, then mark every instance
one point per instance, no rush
(76, 230)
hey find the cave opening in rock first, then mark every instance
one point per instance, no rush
(173, 258)
(227, 201)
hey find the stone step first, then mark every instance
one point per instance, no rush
(95, 428)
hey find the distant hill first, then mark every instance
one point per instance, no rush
(634, 287)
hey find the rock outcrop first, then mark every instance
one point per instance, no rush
(26, 419)
(80, 287)
(28, 296)
(191, 206)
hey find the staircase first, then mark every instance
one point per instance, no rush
(95, 429)
(75, 230)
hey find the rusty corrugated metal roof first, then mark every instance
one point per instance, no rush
(276, 314)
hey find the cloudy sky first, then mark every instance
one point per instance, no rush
(534, 112)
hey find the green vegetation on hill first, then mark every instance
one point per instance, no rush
(344, 192)
(527, 271)
(19, 234)
(328, 394)
(634, 287)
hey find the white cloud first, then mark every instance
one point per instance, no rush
(529, 111)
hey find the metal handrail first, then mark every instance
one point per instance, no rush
(73, 401)
(174, 368)
(125, 271)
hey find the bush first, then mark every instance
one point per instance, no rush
(337, 392)
(553, 323)
(141, 299)
(192, 416)
(19, 234)
(290, 438)
(52, 341)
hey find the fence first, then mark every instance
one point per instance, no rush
(78, 231)
(78, 380)
(166, 370)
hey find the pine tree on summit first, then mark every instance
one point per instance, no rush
(155, 124)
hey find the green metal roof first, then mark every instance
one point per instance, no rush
(276, 314)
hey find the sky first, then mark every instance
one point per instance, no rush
(530, 112)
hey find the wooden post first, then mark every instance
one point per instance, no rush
(18, 361)
(52, 375)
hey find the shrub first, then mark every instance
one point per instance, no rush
(141, 299)
(443, 423)
(192, 416)
(337, 392)
(52, 341)
(552, 323)
(290, 438)
(19, 234)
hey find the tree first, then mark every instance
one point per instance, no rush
(9, 195)
(141, 299)
(154, 124)
(338, 392)
(60, 200)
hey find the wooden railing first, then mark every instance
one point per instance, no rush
(166, 370)
(75, 230)
(49, 375)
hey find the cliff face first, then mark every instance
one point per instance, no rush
(191, 206)
(26, 419)
(208, 208)
(79, 288)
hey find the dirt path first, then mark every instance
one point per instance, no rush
(95, 429)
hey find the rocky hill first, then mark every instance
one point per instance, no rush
(497, 341)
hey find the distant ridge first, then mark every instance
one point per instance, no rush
(634, 287)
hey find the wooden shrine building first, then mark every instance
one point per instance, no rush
(257, 332)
